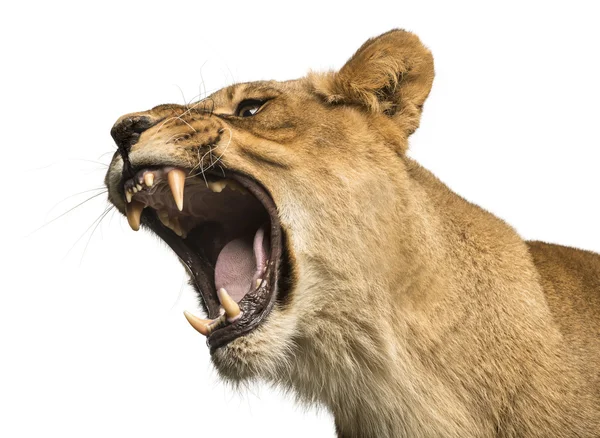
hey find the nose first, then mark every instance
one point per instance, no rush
(126, 132)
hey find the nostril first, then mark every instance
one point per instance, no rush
(126, 132)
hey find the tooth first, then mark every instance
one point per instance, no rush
(128, 196)
(258, 282)
(232, 310)
(149, 179)
(201, 325)
(234, 185)
(176, 179)
(139, 187)
(164, 218)
(217, 186)
(134, 189)
(134, 214)
(175, 226)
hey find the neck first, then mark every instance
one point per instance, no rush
(418, 348)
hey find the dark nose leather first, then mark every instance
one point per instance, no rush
(126, 132)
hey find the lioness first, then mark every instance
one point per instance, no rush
(330, 263)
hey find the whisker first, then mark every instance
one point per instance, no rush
(181, 91)
(168, 119)
(112, 216)
(179, 117)
(75, 194)
(194, 107)
(92, 161)
(224, 149)
(202, 85)
(193, 169)
(204, 169)
(180, 294)
(201, 163)
(93, 171)
(178, 135)
(211, 155)
(56, 163)
(160, 127)
(66, 212)
(88, 228)
(231, 74)
(112, 207)
(106, 153)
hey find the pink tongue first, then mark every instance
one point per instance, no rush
(240, 263)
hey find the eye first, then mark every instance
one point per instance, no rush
(249, 107)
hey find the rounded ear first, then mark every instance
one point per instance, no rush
(390, 74)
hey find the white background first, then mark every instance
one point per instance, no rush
(92, 339)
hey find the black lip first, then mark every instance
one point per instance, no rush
(255, 305)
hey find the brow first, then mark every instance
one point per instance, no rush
(252, 88)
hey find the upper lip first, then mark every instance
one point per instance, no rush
(256, 305)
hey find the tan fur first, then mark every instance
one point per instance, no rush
(413, 313)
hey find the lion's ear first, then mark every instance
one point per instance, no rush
(390, 74)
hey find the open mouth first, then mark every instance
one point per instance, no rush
(225, 229)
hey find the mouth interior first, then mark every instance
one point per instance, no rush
(222, 226)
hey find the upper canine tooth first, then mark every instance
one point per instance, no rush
(128, 196)
(232, 310)
(149, 179)
(134, 214)
(176, 179)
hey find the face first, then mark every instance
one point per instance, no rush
(272, 195)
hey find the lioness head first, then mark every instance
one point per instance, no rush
(329, 262)
(280, 194)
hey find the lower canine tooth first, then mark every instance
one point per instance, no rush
(164, 217)
(134, 214)
(232, 310)
(176, 227)
(258, 282)
(200, 325)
